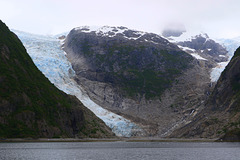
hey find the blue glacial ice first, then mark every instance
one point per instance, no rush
(50, 59)
(231, 45)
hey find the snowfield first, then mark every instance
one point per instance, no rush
(50, 59)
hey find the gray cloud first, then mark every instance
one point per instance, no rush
(219, 18)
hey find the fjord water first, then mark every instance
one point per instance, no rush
(120, 151)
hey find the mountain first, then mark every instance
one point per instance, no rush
(33, 107)
(206, 47)
(119, 59)
(221, 116)
(216, 53)
(138, 75)
(51, 60)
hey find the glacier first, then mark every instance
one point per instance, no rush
(51, 60)
(216, 71)
(231, 45)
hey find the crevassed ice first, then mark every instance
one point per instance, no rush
(48, 56)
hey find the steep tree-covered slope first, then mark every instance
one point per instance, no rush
(30, 106)
(221, 116)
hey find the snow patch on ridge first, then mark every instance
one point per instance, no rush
(222, 56)
(195, 55)
(186, 48)
(48, 56)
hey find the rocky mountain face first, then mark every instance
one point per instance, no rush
(139, 75)
(200, 46)
(221, 116)
(33, 107)
(198, 43)
(206, 48)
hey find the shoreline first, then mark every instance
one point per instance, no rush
(120, 139)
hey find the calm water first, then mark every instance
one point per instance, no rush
(120, 151)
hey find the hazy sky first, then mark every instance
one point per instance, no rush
(219, 18)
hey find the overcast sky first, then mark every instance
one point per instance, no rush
(219, 18)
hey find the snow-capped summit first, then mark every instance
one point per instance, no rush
(110, 31)
(187, 36)
(177, 32)
(200, 46)
(203, 48)
(122, 33)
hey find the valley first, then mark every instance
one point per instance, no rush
(139, 84)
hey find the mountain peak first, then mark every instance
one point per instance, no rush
(122, 33)
(109, 31)
(201, 35)
(186, 36)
